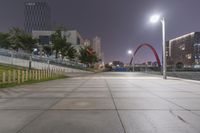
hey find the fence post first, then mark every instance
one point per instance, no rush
(39, 76)
(34, 71)
(9, 76)
(4, 77)
(47, 73)
(51, 73)
(14, 76)
(30, 74)
(18, 76)
(33, 75)
(26, 75)
(42, 74)
(36, 74)
(22, 76)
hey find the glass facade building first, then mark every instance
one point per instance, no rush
(37, 16)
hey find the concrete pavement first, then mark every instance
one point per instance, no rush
(102, 103)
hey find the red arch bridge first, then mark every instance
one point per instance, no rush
(152, 49)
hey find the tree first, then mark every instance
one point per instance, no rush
(20, 40)
(27, 43)
(72, 52)
(68, 51)
(47, 50)
(87, 56)
(60, 45)
(14, 35)
(4, 40)
(58, 41)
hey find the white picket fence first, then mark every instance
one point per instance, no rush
(23, 75)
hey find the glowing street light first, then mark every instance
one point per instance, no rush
(155, 19)
(130, 52)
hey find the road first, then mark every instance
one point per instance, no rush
(102, 103)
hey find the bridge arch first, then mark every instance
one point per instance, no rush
(152, 49)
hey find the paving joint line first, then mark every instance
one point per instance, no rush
(120, 119)
(167, 100)
(43, 111)
(100, 109)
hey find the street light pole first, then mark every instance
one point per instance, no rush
(133, 63)
(164, 48)
(155, 19)
(130, 52)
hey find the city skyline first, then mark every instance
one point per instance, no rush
(121, 25)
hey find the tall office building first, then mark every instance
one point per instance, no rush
(37, 16)
(96, 45)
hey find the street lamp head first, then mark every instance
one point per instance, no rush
(155, 18)
(130, 52)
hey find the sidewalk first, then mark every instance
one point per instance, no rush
(102, 103)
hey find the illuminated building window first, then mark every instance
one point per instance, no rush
(182, 47)
(189, 56)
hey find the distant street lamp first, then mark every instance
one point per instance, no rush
(31, 57)
(130, 52)
(155, 19)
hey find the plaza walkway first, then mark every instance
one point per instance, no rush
(102, 103)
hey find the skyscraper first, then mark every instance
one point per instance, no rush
(96, 46)
(37, 16)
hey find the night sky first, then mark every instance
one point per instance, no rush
(122, 24)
